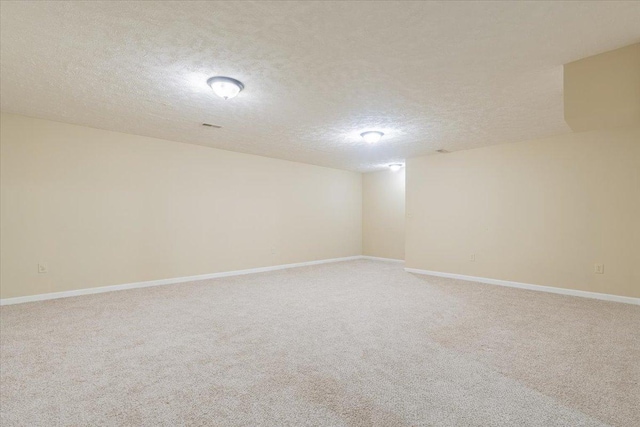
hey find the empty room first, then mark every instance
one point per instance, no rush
(320, 213)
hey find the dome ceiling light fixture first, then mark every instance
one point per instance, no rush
(225, 87)
(371, 136)
(395, 167)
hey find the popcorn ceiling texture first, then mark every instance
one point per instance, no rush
(431, 75)
(357, 343)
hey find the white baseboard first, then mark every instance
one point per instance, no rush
(161, 282)
(540, 288)
(375, 258)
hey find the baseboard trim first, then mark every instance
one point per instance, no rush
(539, 288)
(161, 282)
(375, 258)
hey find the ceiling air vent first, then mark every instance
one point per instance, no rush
(209, 125)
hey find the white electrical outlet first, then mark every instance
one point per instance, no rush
(472, 257)
(42, 268)
(598, 268)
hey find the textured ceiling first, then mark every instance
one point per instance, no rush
(431, 75)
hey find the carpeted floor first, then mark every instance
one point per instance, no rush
(359, 343)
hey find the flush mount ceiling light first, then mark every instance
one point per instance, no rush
(371, 136)
(395, 167)
(225, 87)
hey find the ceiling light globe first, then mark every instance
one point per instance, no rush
(225, 87)
(371, 136)
(395, 167)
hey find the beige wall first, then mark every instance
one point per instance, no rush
(383, 214)
(603, 91)
(104, 208)
(541, 212)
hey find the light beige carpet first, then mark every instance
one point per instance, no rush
(358, 343)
